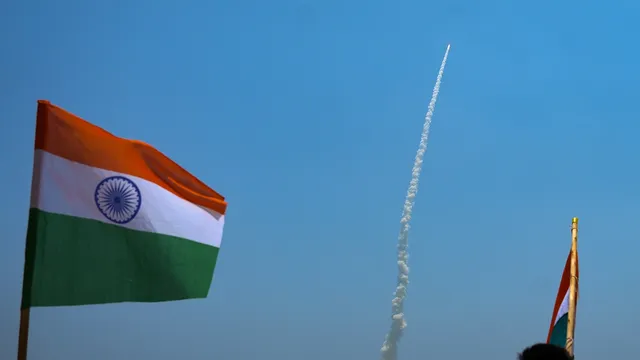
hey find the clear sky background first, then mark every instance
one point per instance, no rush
(306, 115)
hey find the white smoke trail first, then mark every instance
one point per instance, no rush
(390, 346)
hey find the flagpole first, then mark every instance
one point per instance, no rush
(27, 274)
(23, 335)
(573, 287)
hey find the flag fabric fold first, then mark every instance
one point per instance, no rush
(559, 320)
(114, 220)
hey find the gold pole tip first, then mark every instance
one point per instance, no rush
(575, 220)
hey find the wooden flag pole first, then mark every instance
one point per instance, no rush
(23, 335)
(573, 287)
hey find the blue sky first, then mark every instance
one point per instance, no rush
(306, 116)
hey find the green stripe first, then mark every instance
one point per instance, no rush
(74, 261)
(559, 332)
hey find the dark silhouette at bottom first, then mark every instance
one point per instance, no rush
(544, 352)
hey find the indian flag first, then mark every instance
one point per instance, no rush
(114, 220)
(559, 321)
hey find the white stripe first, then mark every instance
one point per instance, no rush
(564, 307)
(66, 187)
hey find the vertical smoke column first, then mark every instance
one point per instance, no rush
(390, 347)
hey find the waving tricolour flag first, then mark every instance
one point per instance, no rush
(114, 220)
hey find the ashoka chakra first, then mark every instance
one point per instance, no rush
(118, 199)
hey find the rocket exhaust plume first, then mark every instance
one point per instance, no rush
(390, 347)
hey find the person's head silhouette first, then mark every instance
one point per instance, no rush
(544, 352)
